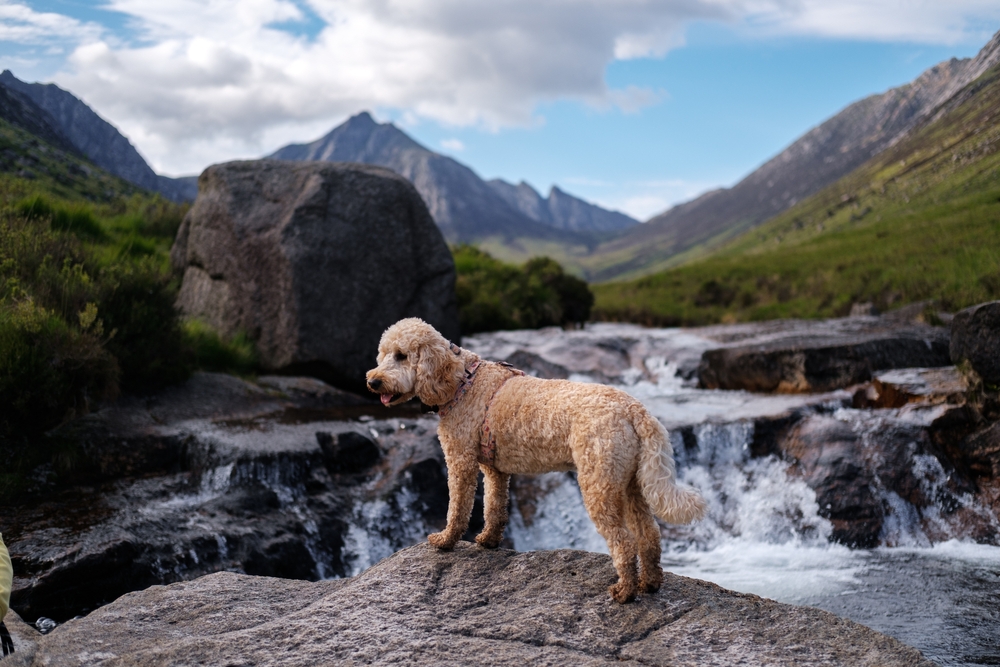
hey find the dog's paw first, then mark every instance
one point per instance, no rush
(623, 593)
(488, 541)
(441, 540)
(651, 581)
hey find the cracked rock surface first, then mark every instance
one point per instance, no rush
(421, 606)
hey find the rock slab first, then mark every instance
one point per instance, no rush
(975, 337)
(426, 607)
(223, 474)
(313, 261)
(818, 360)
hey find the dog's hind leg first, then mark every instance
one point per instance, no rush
(643, 526)
(496, 486)
(605, 502)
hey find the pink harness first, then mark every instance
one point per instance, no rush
(487, 441)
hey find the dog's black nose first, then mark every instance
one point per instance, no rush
(374, 384)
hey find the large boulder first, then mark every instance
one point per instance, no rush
(469, 606)
(313, 261)
(975, 337)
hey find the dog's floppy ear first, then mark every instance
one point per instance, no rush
(439, 372)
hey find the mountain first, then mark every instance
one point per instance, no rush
(465, 207)
(98, 139)
(20, 111)
(559, 209)
(916, 223)
(818, 158)
(35, 157)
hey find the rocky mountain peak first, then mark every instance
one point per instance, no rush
(358, 139)
(466, 208)
(96, 138)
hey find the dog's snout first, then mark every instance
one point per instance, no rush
(375, 384)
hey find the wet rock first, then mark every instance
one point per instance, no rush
(823, 360)
(310, 393)
(600, 352)
(828, 456)
(295, 255)
(537, 366)
(426, 607)
(241, 485)
(981, 452)
(348, 453)
(897, 388)
(975, 337)
(971, 443)
(882, 477)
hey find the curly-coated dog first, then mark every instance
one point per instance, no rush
(498, 420)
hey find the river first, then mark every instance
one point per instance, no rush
(764, 534)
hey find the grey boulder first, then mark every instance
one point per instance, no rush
(313, 261)
(469, 606)
(975, 337)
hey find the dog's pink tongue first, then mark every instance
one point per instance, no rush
(386, 399)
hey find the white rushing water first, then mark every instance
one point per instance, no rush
(764, 534)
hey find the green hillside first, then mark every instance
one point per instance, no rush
(919, 221)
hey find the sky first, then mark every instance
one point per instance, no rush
(633, 104)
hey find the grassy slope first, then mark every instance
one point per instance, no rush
(919, 221)
(132, 221)
(29, 166)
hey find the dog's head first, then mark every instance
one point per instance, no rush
(415, 360)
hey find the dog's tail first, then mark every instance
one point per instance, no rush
(657, 475)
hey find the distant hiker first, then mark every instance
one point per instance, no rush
(6, 583)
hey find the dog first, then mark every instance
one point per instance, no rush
(496, 419)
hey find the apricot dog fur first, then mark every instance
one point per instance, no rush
(624, 462)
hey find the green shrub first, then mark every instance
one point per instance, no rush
(91, 315)
(211, 352)
(493, 295)
(49, 371)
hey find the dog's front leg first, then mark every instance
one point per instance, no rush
(496, 490)
(462, 470)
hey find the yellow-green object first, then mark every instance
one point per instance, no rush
(6, 578)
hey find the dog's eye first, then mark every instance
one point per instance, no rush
(400, 356)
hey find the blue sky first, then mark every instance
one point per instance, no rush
(633, 104)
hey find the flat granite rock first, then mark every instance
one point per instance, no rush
(820, 356)
(469, 606)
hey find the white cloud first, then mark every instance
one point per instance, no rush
(924, 21)
(21, 24)
(453, 145)
(223, 72)
(210, 80)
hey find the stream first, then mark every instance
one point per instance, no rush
(764, 533)
(256, 482)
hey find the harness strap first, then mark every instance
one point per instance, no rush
(470, 375)
(488, 443)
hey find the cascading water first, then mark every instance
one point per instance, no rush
(764, 533)
(379, 528)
